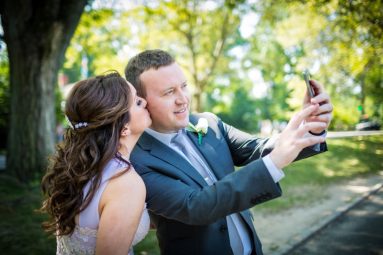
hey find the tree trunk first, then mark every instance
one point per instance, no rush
(37, 34)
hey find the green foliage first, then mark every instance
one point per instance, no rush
(99, 37)
(200, 37)
(241, 111)
(339, 41)
(342, 42)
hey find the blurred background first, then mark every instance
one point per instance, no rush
(243, 59)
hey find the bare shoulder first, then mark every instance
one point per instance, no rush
(128, 187)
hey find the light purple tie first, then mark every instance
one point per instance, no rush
(186, 147)
(180, 141)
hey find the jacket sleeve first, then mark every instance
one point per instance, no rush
(245, 148)
(174, 199)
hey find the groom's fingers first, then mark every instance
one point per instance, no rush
(320, 98)
(323, 109)
(310, 141)
(303, 129)
(318, 87)
(298, 118)
(326, 117)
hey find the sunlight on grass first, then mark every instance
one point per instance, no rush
(328, 172)
(20, 231)
(345, 158)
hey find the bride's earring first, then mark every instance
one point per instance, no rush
(125, 131)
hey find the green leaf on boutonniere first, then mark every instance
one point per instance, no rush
(200, 129)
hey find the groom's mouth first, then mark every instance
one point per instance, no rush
(181, 111)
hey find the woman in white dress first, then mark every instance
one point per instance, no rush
(95, 198)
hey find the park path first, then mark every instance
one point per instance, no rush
(281, 232)
(341, 134)
(358, 231)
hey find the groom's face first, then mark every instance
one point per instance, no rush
(168, 98)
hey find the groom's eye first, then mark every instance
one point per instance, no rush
(139, 102)
(169, 92)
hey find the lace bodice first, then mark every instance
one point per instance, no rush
(83, 238)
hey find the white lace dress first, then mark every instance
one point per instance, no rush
(83, 239)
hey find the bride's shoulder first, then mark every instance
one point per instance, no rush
(125, 184)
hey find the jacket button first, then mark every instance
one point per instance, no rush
(223, 228)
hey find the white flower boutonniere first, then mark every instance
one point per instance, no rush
(200, 128)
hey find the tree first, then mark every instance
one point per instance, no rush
(37, 34)
(341, 41)
(4, 96)
(199, 36)
(98, 29)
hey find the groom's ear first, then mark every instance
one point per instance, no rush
(125, 131)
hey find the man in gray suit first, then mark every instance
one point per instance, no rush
(198, 202)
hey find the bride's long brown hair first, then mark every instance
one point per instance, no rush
(98, 110)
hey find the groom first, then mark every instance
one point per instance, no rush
(198, 202)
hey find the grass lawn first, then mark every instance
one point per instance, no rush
(20, 231)
(345, 158)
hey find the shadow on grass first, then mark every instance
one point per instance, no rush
(20, 225)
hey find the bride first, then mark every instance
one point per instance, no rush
(95, 198)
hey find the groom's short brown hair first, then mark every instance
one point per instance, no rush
(144, 61)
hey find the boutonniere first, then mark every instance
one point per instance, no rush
(200, 129)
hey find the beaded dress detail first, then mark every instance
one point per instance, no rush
(83, 239)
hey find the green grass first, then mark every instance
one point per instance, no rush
(20, 231)
(346, 158)
(149, 246)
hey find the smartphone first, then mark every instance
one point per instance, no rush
(306, 76)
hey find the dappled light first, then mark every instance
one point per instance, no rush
(358, 189)
(345, 159)
(243, 61)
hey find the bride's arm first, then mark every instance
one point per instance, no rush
(120, 207)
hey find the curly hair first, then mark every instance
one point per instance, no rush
(101, 106)
(144, 61)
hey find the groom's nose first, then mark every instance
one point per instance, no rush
(182, 97)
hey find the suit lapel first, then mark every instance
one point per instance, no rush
(166, 154)
(207, 149)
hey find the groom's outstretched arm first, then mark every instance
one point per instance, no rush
(291, 144)
(245, 148)
(174, 199)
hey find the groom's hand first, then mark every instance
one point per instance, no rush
(324, 112)
(293, 138)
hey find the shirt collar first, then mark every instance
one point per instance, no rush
(165, 138)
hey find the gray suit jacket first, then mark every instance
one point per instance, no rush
(190, 216)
